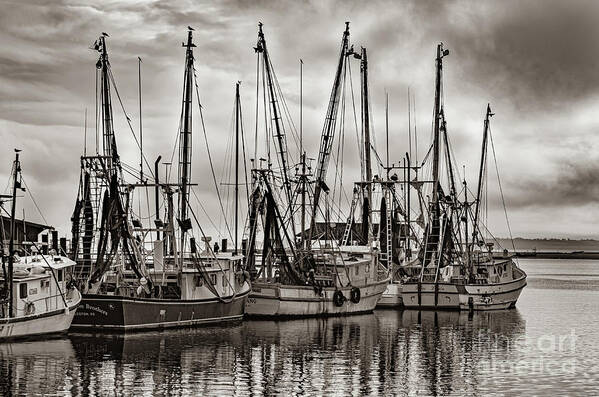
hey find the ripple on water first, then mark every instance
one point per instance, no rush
(385, 353)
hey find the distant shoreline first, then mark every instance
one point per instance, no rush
(558, 254)
(558, 246)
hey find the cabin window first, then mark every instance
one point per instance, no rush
(367, 268)
(199, 281)
(504, 267)
(213, 279)
(45, 284)
(357, 269)
(23, 290)
(59, 275)
(224, 281)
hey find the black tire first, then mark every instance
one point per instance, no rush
(355, 295)
(338, 298)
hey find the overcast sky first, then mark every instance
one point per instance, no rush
(536, 62)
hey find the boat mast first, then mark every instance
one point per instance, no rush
(11, 243)
(156, 197)
(108, 131)
(436, 131)
(453, 190)
(465, 219)
(279, 133)
(185, 137)
(433, 230)
(366, 134)
(328, 131)
(141, 139)
(483, 158)
(387, 129)
(408, 212)
(303, 159)
(237, 116)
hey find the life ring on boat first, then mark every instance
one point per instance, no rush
(355, 295)
(338, 298)
(29, 308)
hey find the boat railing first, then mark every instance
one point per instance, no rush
(46, 300)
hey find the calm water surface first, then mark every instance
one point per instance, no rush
(547, 345)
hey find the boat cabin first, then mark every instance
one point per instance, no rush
(39, 283)
(219, 276)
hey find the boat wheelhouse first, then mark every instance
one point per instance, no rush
(43, 299)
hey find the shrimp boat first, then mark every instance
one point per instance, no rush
(154, 275)
(457, 268)
(310, 275)
(36, 297)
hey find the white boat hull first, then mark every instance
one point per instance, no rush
(446, 296)
(52, 322)
(492, 296)
(277, 300)
(391, 298)
(440, 296)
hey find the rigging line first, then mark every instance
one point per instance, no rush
(97, 112)
(228, 151)
(456, 169)
(227, 166)
(286, 107)
(373, 134)
(266, 148)
(33, 199)
(267, 117)
(245, 165)
(272, 131)
(176, 144)
(210, 251)
(204, 210)
(116, 90)
(208, 151)
(341, 120)
(287, 113)
(415, 130)
(378, 158)
(341, 127)
(8, 183)
(341, 145)
(426, 156)
(284, 158)
(353, 99)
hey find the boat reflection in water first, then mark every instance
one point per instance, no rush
(37, 367)
(384, 353)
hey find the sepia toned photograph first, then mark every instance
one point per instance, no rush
(299, 198)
